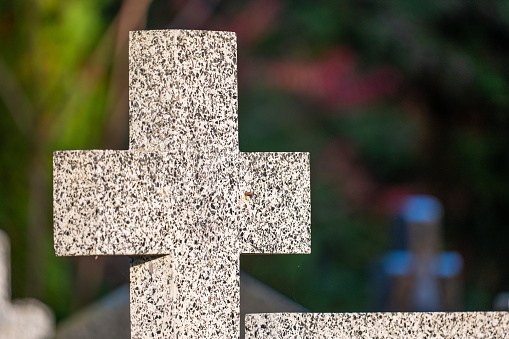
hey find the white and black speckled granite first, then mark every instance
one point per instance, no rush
(177, 196)
(378, 325)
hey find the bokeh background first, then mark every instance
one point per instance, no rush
(390, 98)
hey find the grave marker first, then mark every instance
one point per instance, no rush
(183, 201)
(20, 319)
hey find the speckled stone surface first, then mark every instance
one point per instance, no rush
(378, 325)
(176, 200)
(20, 319)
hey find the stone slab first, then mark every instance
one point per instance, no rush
(378, 325)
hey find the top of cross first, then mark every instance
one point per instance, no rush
(184, 97)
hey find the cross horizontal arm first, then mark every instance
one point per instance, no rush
(141, 203)
(277, 219)
(134, 203)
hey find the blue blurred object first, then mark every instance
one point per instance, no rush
(398, 263)
(447, 264)
(422, 209)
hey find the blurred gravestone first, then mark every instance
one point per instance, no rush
(105, 318)
(20, 319)
(501, 302)
(418, 276)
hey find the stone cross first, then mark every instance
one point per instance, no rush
(183, 202)
(21, 319)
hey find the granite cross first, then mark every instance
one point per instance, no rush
(183, 201)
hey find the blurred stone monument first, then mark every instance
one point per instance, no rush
(420, 276)
(501, 302)
(20, 319)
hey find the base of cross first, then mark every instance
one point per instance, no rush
(378, 325)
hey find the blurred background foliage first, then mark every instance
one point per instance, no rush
(390, 98)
